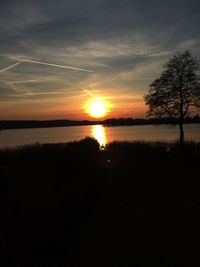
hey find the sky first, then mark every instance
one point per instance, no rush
(114, 49)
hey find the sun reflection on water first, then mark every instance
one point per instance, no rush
(98, 132)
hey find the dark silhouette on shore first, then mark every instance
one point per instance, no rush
(177, 92)
(23, 124)
(76, 205)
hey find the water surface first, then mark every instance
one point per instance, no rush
(12, 138)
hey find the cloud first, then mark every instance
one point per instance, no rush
(125, 42)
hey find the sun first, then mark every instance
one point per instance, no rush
(97, 108)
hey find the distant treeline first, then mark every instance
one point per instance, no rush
(20, 124)
(152, 121)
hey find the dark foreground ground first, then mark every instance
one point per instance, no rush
(74, 205)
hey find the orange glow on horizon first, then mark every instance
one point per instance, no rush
(75, 107)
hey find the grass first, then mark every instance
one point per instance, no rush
(76, 205)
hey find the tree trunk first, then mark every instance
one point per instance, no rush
(181, 140)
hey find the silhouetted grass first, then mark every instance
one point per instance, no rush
(76, 205)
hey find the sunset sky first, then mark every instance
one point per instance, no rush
(119, 45)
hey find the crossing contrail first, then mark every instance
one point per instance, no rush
(88, 92)
(11, 66)
(47, 64)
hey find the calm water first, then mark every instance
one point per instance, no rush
(12, 138)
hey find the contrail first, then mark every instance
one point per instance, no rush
(29, 94)
(48, 64)
(25, 81)
(88, 92)
(11, 66)
(44, 93)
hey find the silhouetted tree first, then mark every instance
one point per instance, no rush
(177, 91)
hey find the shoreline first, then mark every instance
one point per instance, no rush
(14, 125)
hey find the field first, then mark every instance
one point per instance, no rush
(76, 205)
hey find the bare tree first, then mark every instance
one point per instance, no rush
(177, 91)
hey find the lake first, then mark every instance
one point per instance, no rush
(13, 138)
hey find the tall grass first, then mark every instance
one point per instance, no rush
(74, 204)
